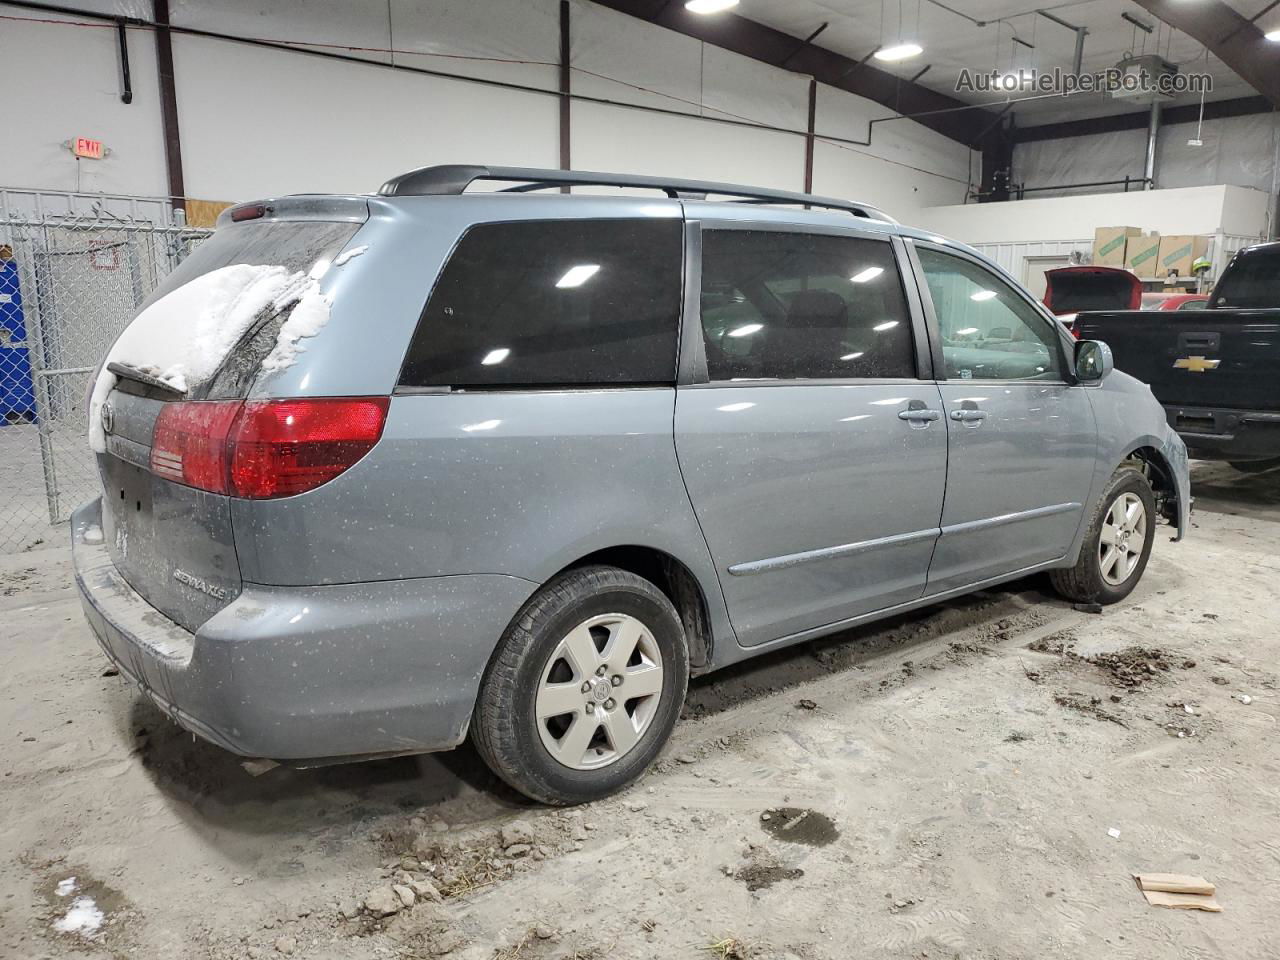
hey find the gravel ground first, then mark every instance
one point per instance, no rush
(949, 785)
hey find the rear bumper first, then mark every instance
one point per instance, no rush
(1215, 433)
(297, 673)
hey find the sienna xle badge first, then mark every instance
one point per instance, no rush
(382, 472)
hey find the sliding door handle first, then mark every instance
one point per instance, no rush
(968, 415)
(919, 415)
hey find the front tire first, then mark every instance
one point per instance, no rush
(584, 688)
(1117, 545)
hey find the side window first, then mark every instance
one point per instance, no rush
(553, 302)
(796, 305)
(988, 331)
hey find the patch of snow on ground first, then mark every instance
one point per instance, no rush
(83, 918)
(183, 337)
(66, 887)
(350, 254)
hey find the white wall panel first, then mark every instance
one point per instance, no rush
(1239, 151)
(260, 122)
(1194, 210)
(656, 67)
(257, 121)
(64, 82)
(738, 87)
(906, 166)
(353, 23)
(497, 33)
(632, 141)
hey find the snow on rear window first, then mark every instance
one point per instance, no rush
(184, 337)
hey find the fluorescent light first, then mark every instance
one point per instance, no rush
(853, 356)
(735, 407)
(1273, 36)
(887, 325)
(577, 276)
(903, 51)
(746, 330)
(709, 6)
(982, 295)
(496, 356)
(966, 331)
(868, 274)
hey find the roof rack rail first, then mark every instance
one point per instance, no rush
(453, 179)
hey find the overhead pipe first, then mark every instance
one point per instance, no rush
(1153, 133)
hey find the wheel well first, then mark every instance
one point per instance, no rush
(1159, 474)
(671, 577)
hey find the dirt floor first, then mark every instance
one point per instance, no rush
(977, 781)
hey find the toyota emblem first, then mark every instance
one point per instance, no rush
(108, 418)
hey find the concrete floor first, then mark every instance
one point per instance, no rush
(970, 781)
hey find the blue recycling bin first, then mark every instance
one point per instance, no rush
(17, 389)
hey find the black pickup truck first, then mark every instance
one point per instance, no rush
(1217, 370)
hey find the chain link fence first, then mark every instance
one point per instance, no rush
(73, 269)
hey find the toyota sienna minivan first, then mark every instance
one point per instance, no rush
(382, 472)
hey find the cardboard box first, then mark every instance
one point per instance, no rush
(1109, 245)
(1177, 253)
(1142, 255)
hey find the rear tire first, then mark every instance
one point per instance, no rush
(584, 688)
(1255, 466)
(1117, 544)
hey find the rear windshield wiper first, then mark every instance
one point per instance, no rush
(141, 376)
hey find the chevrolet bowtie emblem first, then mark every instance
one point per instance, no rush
(1196, 364)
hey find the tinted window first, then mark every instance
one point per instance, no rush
(989, 332)
(561, 302)
(1252, 280)
(790, 305)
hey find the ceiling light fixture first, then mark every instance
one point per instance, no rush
(899, 51)
(709, 6)
(1273, 36)
(746, 330)
(870, 273)
(982, 295)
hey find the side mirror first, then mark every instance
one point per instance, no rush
(1093, 361)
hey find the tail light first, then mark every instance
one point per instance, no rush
(261, 449)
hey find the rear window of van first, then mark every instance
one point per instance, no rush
(553, 303)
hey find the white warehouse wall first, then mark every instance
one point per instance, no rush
(256, 121)
(1188, 210)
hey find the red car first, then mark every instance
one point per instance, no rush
(1071, 290)
(1175, 301)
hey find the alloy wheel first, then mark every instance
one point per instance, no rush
(599, 691)
(1123, 537)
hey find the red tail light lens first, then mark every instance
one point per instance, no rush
(262, 449)
(189, 445)
(281, 447)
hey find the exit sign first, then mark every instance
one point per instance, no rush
(89, 149)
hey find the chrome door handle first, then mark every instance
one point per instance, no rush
(968, 415)
(919, 414)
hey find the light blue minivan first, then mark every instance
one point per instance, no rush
(539, 457)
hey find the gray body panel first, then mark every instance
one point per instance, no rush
(1017, 480)
(817, 501)
(359, 616)
(174, 544)
(304, 672)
